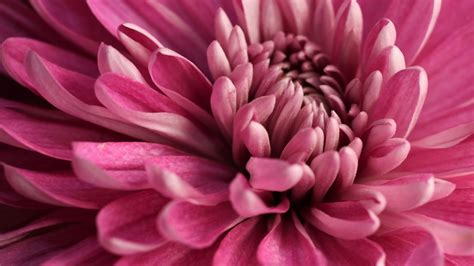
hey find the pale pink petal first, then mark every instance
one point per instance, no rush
(128, 225)
(256, 139)
(273, 174)
(194, 225)
(381, 36)
(138, 42)
(288, 243)
(325, 167)
(410, 246)
(401, 99)
(346, 252)
(385, 157)
(248, 13)
(446, 138)
(217, 60)
(301, 146)
(224, 104)
(74, 21)
(324, 21)
(297, 15)
(271, 19)
(239, 246)
(347, 220)
(110, 59)
(104, 164)
(59, 188)
(247, 202)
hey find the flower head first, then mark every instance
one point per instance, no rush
(272, 132)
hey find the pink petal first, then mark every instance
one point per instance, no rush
(58, 188)
(14, 52)
(127, 225)
(150, 109)
(301, 146)
(224, 104)
(323, 24)
(104, 164)
(194, 225)
(247, 202)
(190, 178)
(288, 243)
(348, 37)
(88, 251)
(347, 220)
(410, 246)
(385, 157)
(273, 174)
(402, 99)
(138, 42)
(445, 109)
(348, 168)
(407, 13)
(296, 15)
(346, 252)
(72, 93)
(271, 19)
(455, 208)
(442, 162)
(10, 197)
(325, 167)
(446, 138)
(239, 245)
(75, 21)
(110, 59)
(381, 36)
(248, 13)
(47, 131)
(256, 139)
(389, 61)
(217, 60)
(40, 248)
(405, 193)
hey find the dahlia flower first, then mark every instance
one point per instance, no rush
(245, 132)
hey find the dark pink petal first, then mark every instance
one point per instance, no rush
(410, 246)
(247, 202)
(273, 174)
(60, 188)
(239, 245)
(190, 178)
(9, 197)
(14, 52)
(128, 225)
(373, 11)
(40, 248)
(194, 225)
(172, 72)
(442, 162)
(458, 260)
(347, 220)
(402, 99)
(446, 105)
(407, 13)
(404, 193)
(288, 243)
(86, 252)
(455, 208)
(47, 131)
(74, 20)
(171, 253)
(346, 252)
(73, 93)
(104, 164)
(148, 108)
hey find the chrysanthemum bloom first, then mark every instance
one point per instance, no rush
(305, 132)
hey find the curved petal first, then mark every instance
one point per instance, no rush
(128, 225)
(194, 225)
(273, 174)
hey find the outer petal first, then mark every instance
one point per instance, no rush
(127, 225)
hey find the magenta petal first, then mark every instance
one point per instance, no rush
(247, 202)
(104, 165)
(190, 178)
(128, 225)
(288, 243)
(273, 174)
(171, 71)
(239, 245)
(410, 246)
(46, 131)
(58, 188)
(346, 252)
(347, 220)
(88, 251)
(75, 21)
(401, 99)
(194, 225)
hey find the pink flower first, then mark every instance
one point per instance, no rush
(273, 132)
